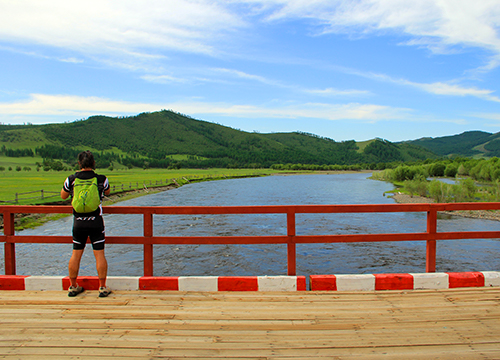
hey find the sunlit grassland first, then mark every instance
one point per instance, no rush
(134, 175)
(22, 182)
(363, 144)
(23, 138)
(12, 162)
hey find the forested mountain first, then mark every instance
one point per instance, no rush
(468, 144)
(153, 139)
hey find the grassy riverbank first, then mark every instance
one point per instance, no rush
(32, 187)
(44, 187)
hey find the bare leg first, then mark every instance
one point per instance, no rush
(74, 266)
(102, 267)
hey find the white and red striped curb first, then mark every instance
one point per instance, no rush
(175, 283)
(364, 282)
(371, 282)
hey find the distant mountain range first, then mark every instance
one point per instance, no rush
(162, 138)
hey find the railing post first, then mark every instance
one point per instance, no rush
(430, 265)
(148, 248)
(9, 248)
(291, 246)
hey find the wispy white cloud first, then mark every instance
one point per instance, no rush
(488, 116)
(437, 88)
(350, 111)
(43, 108)
(438, 25)
(440, 88)
(118, 29)
(163, 79)
(42, 105)
(328, 92)
(131, 29)
(72, 60)
(246, 76)
(66, 59)
(337, 92)
(71, 106)
(448, 20)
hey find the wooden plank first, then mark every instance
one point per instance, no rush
(449, 324)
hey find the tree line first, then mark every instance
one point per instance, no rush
(16, 152)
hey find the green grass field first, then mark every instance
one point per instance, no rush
(29, 184)
(12, 162)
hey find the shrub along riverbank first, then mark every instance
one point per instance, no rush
(475, 180)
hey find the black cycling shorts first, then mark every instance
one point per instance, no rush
(81, 234)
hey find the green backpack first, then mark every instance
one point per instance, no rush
(85, 195)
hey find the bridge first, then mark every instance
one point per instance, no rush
(451, 323)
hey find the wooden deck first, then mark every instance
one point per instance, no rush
(444, 324)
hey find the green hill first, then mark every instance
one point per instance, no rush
(468, 144)
(166, 138)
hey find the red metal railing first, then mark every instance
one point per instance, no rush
(290, 239)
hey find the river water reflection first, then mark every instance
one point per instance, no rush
(355, 258)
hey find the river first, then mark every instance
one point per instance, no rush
(184, 260)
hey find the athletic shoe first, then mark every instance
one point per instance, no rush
(104, 291)
(73, 291)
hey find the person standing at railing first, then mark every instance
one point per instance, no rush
(87, 225)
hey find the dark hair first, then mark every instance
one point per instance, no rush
(86, 160)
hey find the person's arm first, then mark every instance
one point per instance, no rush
(64, 194)
(65, 191)
(107, 188)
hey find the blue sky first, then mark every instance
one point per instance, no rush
(347, 70)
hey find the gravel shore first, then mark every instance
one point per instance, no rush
(478, 214)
